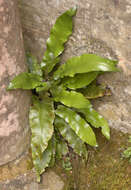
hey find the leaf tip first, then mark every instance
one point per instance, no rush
(10, 86)
(96, 146)
(107, 135)
(43, 64)
(75, 8)
(38, 178)
(72, 11)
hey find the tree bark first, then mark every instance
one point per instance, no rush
(14, 105)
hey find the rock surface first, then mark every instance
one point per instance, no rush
(27, 182)
(14, 105)
(18, 175)
(102, 27)
(105, 169)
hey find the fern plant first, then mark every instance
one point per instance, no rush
(60, 98)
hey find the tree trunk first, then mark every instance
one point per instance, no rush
(14, 105)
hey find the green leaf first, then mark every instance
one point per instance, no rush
(25, 81)
(94, 91)
(79, 125)
(96, 120)
(61, 145)
(42, 88)
(45, 87)
(47, 64)
(41, 118)
(84, 64)
(79, 80)
(53, 157)
(33, 65)
(61, 149)
(74, 141)
(70, 98)
(59, 34)
(43, 161)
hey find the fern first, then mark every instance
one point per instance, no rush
(60, 96)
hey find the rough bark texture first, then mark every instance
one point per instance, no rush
(102, 27)
(14, 130)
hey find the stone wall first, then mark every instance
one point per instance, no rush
(102, 27)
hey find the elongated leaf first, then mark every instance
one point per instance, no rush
(43, 161)
(33, 65)
(83, 64)
(47, 64)
(79, 125)
(96, 120)
(79, 80)
(61, 149)
(94, 91)
(25, 81)
(61, 145)
(41, 119)
(53, 157)
(70, 98)
(74, 141)
(60, 33)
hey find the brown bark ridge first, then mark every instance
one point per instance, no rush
(14, 105)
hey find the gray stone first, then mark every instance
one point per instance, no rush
(14, 105)
(51, 181)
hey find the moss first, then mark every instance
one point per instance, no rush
(105, 169)
(16, 167)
